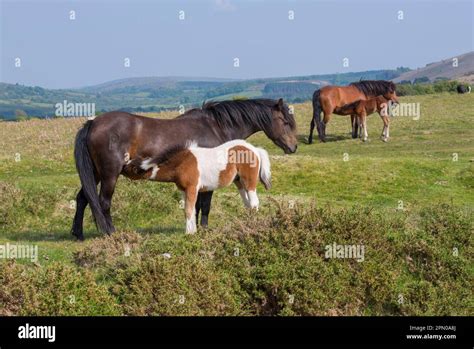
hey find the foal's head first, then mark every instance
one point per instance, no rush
(283, 130)
(391, 93)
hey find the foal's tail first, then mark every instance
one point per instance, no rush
(265, 173)
(85, 169)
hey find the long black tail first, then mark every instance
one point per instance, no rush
(85, 168)
(316, 121)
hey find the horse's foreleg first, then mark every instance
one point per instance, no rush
(191, 194)
(387, 131)
(386, 124)
(77, 225)
(363, 122)
(206, 198)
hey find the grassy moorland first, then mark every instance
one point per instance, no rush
(408, 202)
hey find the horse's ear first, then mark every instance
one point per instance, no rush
(280, 105)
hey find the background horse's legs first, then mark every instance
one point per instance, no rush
(355, 125)
(206, 198)
(77, 224)
(311, 130)
(322, 125)
(386, 124)
(363, 122)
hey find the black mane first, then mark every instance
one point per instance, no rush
(244, 113)
(372, 88)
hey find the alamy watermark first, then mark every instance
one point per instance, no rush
(74, 109)
(356, 252)
(405, 109)
(12, 251)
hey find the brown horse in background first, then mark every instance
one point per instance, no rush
(329, 98)
(361, 109)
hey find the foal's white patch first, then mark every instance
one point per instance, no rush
(211, 161)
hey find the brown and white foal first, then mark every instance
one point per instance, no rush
(194, 169)
(363, 108)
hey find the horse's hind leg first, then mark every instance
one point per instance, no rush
(249, 179)
(243, 193)
(77, 225)
(107, 187)
(311, 130)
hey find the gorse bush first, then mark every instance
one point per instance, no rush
(413, 264)
(57, 289)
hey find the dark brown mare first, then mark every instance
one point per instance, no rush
(329, 98)
(105, 144)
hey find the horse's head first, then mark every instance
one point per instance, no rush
(391, 93)
(283, 130)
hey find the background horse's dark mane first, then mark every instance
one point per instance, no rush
(372, 88)
(244, 113)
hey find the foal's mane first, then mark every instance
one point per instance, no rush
(372, 88)
(244, 113)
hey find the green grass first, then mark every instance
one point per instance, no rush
(414, 169)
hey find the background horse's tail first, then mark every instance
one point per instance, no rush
(265, 173)
(316, 107)
(316, 121)
(85, 168)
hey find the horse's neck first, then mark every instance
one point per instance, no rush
(240, 132)
(225, 135)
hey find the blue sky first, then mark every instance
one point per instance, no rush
(57, 52)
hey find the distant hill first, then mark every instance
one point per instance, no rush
(443, 70)
(151, 94)
(149, 82)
